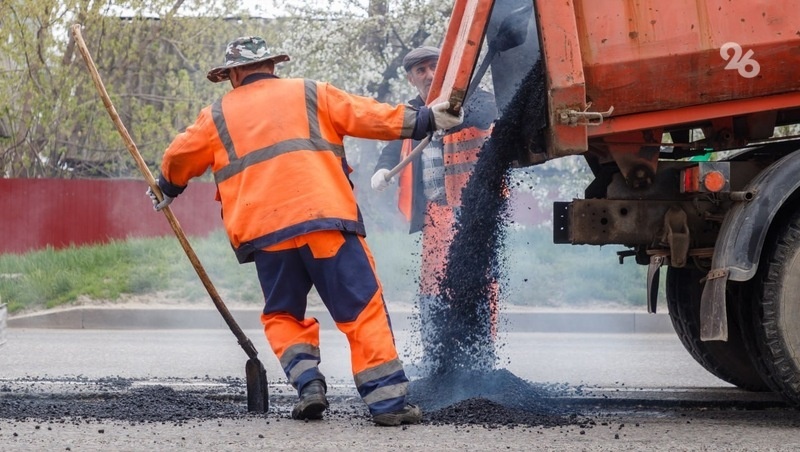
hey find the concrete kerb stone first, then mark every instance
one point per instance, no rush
(616, 322)
(3, 322)
(587, 322)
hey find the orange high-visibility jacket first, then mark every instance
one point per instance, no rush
(275, 147)
(460, 152)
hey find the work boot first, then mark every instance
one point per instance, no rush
(312, 401)
(410, 414)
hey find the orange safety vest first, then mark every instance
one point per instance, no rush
(275, 147)
(460, 155)
(405, 182)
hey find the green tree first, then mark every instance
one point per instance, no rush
(360, 47)
(152, 56)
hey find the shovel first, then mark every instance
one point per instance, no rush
(512, 33)
(257, 392)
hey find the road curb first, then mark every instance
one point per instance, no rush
(3, 323)
(624, 322)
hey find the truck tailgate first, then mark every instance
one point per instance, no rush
(641, 56)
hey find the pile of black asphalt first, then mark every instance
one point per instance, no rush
(491, 398)
(513, 402)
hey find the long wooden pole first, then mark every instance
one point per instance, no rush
(245, 342)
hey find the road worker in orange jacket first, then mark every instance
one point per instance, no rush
(275, 147)
(430, 187)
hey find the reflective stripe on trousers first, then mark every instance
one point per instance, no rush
(383, 387)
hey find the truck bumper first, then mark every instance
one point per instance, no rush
(611, 222)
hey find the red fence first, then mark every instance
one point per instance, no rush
(60, 212)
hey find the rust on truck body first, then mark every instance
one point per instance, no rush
(565, 82)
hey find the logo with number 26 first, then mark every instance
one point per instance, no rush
(745, 64)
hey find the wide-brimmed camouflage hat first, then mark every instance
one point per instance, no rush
(241, 52)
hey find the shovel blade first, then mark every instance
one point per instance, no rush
(257, 392)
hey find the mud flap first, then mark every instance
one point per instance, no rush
(653, 278)
(741, 240)
(257, 391)
(713, 307)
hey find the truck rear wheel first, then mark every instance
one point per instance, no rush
(727, 360)
(776, 313)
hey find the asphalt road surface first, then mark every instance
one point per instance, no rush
(75, 390)
(601, 359)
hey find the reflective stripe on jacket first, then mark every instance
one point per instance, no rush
(275, 147)
(460, 155)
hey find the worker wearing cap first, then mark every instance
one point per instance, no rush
(430, 186)
(275, 148)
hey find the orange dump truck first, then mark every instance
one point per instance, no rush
(687, 113)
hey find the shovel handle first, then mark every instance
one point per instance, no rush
(176, 227)
(393, 172)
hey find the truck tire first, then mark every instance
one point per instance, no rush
(776, 312)
(727, 360)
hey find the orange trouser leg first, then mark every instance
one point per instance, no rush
(296, 344)
(437, 234)
(377, 370)
(283, 270)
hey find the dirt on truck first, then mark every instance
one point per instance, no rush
(687, 114)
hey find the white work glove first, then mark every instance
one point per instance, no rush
(443, 118)
(157, 206)
(378, 181)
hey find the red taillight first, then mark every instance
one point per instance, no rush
(705, 177)
(690, 182)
